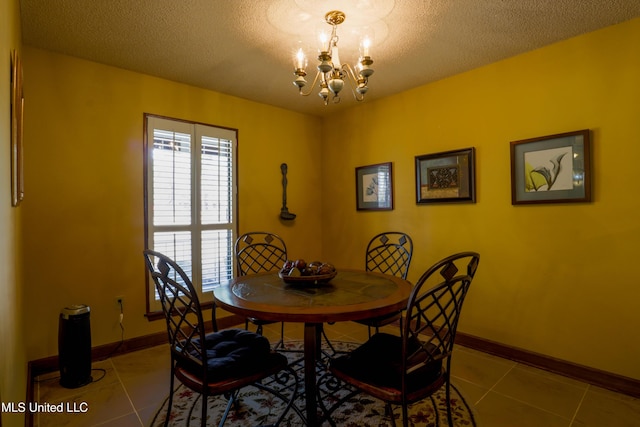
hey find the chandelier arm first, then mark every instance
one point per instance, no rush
(311, 87)
(353, 82)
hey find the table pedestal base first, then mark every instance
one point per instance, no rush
(312, 336)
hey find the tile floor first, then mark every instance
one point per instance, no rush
(504, 393)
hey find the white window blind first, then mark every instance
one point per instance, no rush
(190, 204)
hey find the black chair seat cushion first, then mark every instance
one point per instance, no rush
(379, 362)
(232, 353)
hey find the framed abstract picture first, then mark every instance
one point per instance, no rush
(551, 169)
(374, 187)
(446, 177)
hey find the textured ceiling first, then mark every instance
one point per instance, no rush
(243, 47)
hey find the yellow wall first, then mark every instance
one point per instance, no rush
(553, 279)
(83, 210)
(13, 365)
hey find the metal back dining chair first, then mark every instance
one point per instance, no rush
(258, 252)
(217, 363)
(401, 370)
(389, 253)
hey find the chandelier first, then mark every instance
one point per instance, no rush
(331, 72)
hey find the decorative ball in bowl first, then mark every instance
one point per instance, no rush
(313, 273)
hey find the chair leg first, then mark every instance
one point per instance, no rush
(170, 402)
(389, 411)
(227, 410)
(448, 400)
(282, 333)
(290, 402)
(203, 401)
(405, 415)
(280, 342)
(326, 338)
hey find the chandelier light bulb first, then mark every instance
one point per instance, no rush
(365, 46)
(324, 38)
(300, 59)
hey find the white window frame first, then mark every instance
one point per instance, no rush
(225, 262)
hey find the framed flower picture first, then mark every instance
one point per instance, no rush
(374, 187)
(551, 169)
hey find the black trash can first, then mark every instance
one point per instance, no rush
(74, 346)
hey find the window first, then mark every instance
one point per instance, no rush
(190, 200)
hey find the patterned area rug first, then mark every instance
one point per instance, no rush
(257, 407)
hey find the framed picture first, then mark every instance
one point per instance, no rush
(17, 108)
(551, 169)
(446, 177)
(374, 187)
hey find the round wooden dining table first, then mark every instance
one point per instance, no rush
(350, 295)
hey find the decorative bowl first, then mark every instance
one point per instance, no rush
(308, 280)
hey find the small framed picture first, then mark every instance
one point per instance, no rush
(374, 187)
(446, 177)
(551, 169)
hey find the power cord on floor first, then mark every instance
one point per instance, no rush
(121, 322)
(104, 373)
(93, 380)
